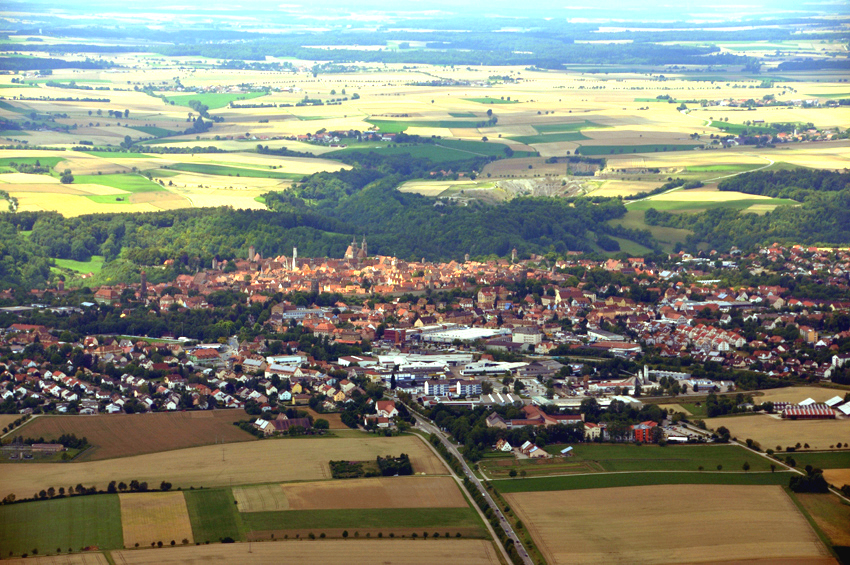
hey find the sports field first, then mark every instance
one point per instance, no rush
(60, 524)
(332, 552)
(151, 517)
(688, 525)
(772, 431)
(219, 465)
(121, 435)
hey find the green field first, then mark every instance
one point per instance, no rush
(601, 480)
(214, 100)
(224, 170)
(128, 182)
(213, 515)
(447, 151)
(823, 460)
(363, 518)
(12, 132)
(631, 457)
(738, 129)
(6, 162)
(617, 149)
(668, 237)
(489, 100)
(92, 266)
(154, 130)
(550, 137)
(120, 155)
(568, 126)
(721, 168)
(832, 96)
(685, 205)
(66, 523)
(462, 114)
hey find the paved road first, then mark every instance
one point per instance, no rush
(426, 426)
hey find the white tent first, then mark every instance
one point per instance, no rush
(845, 408)
(834, 401)
(807, 401)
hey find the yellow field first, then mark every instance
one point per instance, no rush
(70, 559)
(831, 514)
(628, 187)
(706, 194)
(797, 394)
(381, 492)
(154, 516)
(384, 492)
(687, 524)
(675, 408)
(209, 466)
(837, 477)
(771, 431)
(331, 552)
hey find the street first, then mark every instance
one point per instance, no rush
(427, 426)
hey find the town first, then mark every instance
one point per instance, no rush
(544, 334)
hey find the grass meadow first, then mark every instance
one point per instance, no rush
(61, 524)
(214, 515)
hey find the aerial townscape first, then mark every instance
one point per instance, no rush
(342, 283)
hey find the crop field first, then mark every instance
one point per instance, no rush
(634, 479)
(824, 459)
(602, 150)
(771, 431)
(120, 435)
(214, 100)
(599, 458)
(798, 394)
(837, 477)
(697, 524)
(332, 552)
(151, 517)
(61, 523)
(383, 492)
(217, 465)
(411, 519)
(213, 515)
(224, 170)
(261, 498)
(72, 559)
(831, 514)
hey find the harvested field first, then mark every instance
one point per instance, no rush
(6, 419)
(383, 492)
(772, 431)
(217, 465)
(152, 517)
(725, 517)
(798, 394)
(837, 477)
(830, 514)
(261, 498)
(70, 559)
(341, 552)
(120, 435)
